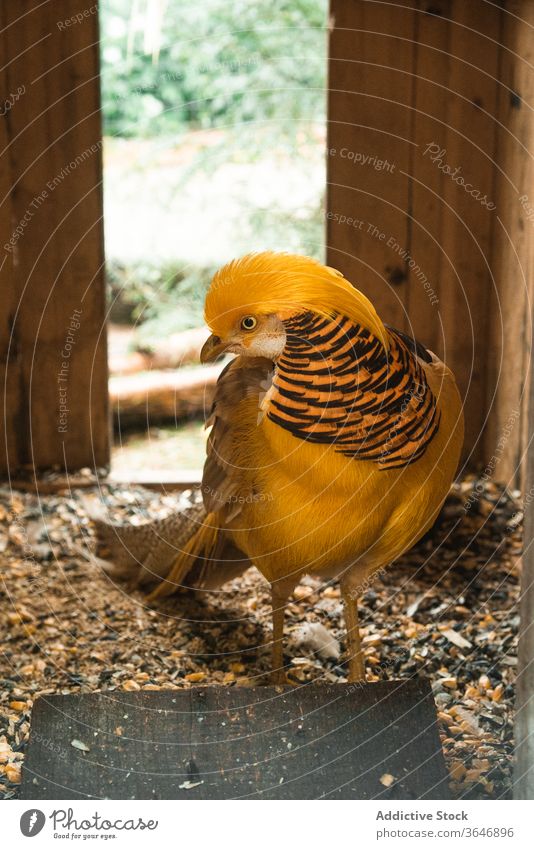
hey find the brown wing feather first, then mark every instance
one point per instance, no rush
(210, 559)
(192, 550)
(224, 484)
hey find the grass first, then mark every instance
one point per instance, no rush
(179, 447)
(178, 208)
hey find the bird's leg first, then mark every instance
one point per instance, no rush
(280, 592)
(354, 648)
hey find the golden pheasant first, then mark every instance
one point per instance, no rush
(334, 442)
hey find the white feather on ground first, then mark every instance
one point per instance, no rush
(315, 636)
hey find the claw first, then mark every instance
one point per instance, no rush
(278, 678)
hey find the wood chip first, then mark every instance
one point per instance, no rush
(79, 744)
(456, 638)
(414, 606)
(470, 719)
(12, 772)
(188, 785)
(195, 676)
(460, 583)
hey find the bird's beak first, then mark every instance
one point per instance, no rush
(212, 348)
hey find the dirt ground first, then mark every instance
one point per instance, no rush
(447, 610)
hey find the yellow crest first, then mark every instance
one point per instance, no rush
(285, 284)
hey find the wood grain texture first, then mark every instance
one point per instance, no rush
(468, 136)
(53, 242)
(10, 355)
(371, 59)
(512, 253)
(524, 722)
(454, 263)
(312, 742)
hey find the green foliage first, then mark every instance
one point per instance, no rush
(252, 70)
(212, 63)
(164, 298)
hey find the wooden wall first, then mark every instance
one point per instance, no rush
(430, 139)
(53, 363)
(524, 722)
(423, 95)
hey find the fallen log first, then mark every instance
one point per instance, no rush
(161, 396)
(177, 350)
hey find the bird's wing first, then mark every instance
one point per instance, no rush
(225, 483)
(336, 384)
(209, 558)
(412, 344)
(193, 551)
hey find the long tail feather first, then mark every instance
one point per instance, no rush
(186, 550)
(146, 552)
(201, 545)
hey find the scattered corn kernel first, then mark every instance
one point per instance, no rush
(195, 676)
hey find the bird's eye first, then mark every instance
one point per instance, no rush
(248, 323)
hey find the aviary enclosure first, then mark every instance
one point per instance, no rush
(429, 212)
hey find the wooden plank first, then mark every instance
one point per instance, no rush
(9, 351)
(157, 479)
(524, 723)
(468, 136)
(54, 152)
(318, 741)
(512, 254)
(418, 86)
(371, 57)
(430, 97)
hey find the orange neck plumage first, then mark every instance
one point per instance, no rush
(335, 384)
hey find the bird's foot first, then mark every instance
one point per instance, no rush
(356, 670)
(278, 678)
(356, 678)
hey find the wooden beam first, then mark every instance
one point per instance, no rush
(52, 236)
(467, 133)
(512, 251)
(10, 354)
(161, 481)
(176, 480)
(524, 724)
(371, 64)
(321, 741)
(430, 130)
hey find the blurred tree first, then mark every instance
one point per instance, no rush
(171, 66)
(255, 71)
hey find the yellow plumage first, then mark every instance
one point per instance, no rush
(322, 509)
(334, 442)
(276, 283)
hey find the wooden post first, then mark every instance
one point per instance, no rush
(509, 341)
(518, 250)
(524, 727)
(326, 742)
(53, 362)
(429, 161)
